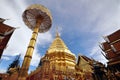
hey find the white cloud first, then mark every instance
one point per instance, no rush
(5, 58)
(36, 58)
(94, 50)
(97, 55)
(44, 38)
(2, 70)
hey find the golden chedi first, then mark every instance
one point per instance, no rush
(58, 63)
(60, 56)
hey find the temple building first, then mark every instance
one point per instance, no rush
(111, 49)
(84, 68)
(6, 32)
(59, 63)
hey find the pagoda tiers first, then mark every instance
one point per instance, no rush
(58, 63)
(111, 49)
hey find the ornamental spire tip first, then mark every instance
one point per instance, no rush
(57, 33)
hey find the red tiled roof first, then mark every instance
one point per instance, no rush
(105, 46)
(117, 46)
(86, 58)
(114, 36)
(114, 61)
(110, 54)
(4, 28)
(5, 34)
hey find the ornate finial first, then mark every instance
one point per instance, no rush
(57, 33)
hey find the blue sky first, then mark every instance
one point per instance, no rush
(82, 25)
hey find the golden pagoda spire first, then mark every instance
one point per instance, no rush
(58, 45)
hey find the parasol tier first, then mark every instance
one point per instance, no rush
(37, 12)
